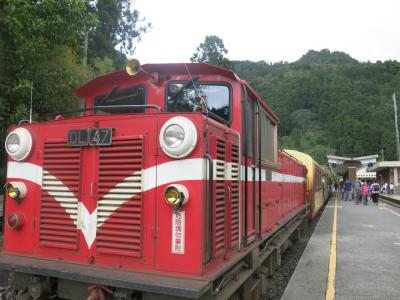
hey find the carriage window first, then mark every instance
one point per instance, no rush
(268, 139)
(186, 97)
(135, 95)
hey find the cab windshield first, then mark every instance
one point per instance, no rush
(187, 97)
(135, 95)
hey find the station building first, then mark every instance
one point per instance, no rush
(349, 167)
(387, 171)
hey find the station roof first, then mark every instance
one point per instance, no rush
(343, 158)
(381, 165)
(340, 164)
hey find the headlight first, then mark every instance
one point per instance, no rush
(19, 143)
(176, 195)
(16, 190)
(178, 137)
(13, 143)
(174, 136)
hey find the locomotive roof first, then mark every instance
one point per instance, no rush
(119, 77)
(162, 69)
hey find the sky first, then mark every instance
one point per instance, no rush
(270, 30)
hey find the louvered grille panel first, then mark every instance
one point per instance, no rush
(235, 196)
(119, 209)
(220, 198)
(60, 185)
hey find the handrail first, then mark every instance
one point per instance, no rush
(211, 202)
(105, 107)
(259, 170)
(244, 126)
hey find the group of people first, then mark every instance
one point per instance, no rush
(359, 191)
(387, 188)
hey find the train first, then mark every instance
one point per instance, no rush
(168, 184)
(318, 181)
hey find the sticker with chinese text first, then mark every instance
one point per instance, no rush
(178, 231)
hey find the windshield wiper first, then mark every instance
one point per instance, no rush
(179, 92)
(106, 97)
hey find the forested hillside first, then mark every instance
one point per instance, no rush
(329, 103)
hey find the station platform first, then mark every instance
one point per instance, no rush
(358, 260)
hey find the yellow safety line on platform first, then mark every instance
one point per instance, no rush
(330, 285)
(389, 210)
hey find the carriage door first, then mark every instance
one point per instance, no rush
(249, 173)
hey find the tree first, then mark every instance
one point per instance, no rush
(40, 43)
(117, 31)
(212, 51)
(42, 39)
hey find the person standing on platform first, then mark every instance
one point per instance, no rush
(341, 187)
(369, 190)
(391, 187)
(364, 192)
(385, 188)
(375, 188)
(357, 191)
(336, 186)
(347, 190)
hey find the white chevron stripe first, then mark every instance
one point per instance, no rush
(23, 170)
(87, 223)
(66, 198)
(169, 172)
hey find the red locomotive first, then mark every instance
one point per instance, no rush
(169, 184)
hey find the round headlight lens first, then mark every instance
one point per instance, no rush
(16, 190)
(174, 135)
(178, 137)
(13, 143)
(19, 143)
(176, 195)
(172, 196)
(13, 192)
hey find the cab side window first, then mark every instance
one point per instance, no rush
(268, 136)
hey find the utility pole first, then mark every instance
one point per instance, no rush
(383, 157)
(85, 49)
(397, 127)
(31, 106)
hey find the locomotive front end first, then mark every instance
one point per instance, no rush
(137, 185)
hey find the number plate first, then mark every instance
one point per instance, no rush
(78, 137)
(91, 137)
(100, 136)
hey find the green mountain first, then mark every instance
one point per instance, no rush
(329, 103)
(325, 57)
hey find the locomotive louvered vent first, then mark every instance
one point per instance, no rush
(220, 198)
(235, 196)
(59, 206)
(119, 209)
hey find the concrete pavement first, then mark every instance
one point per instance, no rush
(367, 254)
